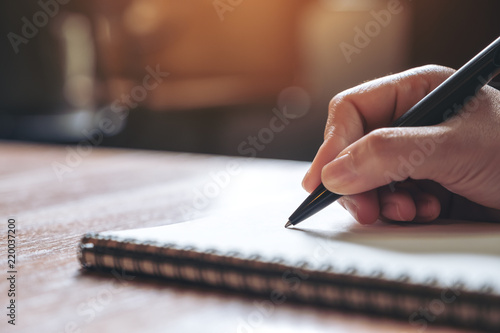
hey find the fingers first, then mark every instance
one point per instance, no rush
(404, 202)
(374, 104)
(397, 205)
(364, 207)
(408, 202)
(326, 153)
(394, 154)
(428, 207)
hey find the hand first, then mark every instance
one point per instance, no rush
(449, 170)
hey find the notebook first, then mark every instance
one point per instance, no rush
(446, 272)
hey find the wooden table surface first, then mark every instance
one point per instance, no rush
(58, 193)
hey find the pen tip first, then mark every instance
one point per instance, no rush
(288, 224)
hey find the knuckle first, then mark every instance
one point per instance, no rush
(334, 113)
(356, 160)
(432, 69)
(336, 100)
(381, 146)
(380, 142)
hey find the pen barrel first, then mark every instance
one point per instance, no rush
(448, 99)
(316, 201)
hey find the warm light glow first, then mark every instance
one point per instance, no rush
(142, 17)
(79, 73)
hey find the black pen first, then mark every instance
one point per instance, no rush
(440, 104)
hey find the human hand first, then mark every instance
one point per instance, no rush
(449, 170)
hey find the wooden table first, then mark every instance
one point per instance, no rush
(57, 193)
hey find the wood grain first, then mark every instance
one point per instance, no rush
(121, 189)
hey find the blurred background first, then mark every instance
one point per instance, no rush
(232, 77)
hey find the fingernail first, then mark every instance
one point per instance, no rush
(388, 209)
(424, 211)
(338, 173)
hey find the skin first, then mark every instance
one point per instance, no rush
(449, 170)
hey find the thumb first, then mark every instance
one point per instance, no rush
(392, 154)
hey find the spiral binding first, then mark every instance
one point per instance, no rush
(322, 285)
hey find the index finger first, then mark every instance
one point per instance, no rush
(359, 110)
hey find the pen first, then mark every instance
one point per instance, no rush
(440, 104)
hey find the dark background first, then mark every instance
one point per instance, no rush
(225, 76)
